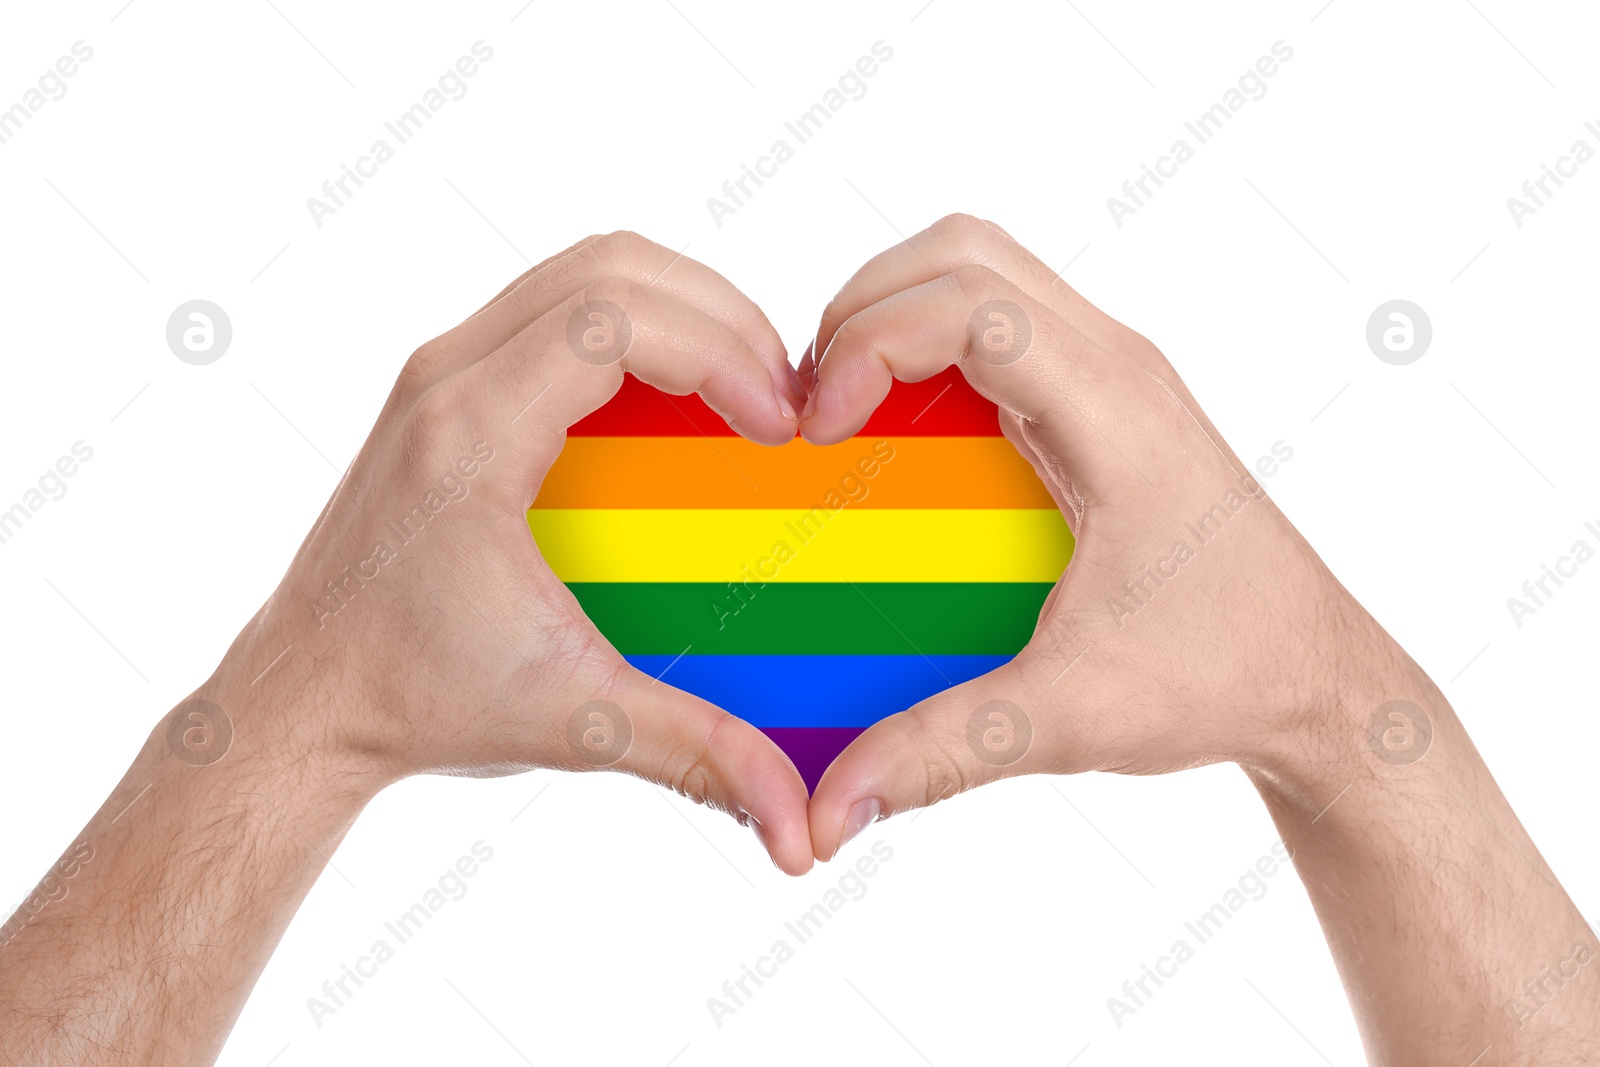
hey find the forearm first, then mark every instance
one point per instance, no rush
(1451, 934)
(147, 952)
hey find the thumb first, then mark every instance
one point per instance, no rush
(969, 735)
(649, 729)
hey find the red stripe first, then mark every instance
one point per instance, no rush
(640, 410)
(942, 406)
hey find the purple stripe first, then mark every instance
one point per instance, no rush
(812, 748)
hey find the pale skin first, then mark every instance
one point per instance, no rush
(462, 654)
(1435, 902)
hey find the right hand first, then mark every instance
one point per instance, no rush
(460, 652)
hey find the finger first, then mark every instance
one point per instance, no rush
(570, 361)
(649, 729)
(617, 255)
(532, 271)
(464, 344)
(957, 241)
(1028, 360)
(969, 735)
(807, 370)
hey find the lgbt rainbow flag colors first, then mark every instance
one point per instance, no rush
(809, 590)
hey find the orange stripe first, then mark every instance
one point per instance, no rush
(731, 472)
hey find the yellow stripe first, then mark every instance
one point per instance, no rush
(851, 545)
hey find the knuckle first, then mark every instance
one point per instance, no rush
(944, 773)
(562, 272)
(827, 327)
(943, 777)
(438, 420)
(420, 369)
(621, 246)
(689, 771)
(693, 780)
(615, 289)
(1143, 349)
(848, 337)
(963, 229)
(977, 282)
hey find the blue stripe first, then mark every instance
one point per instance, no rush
(777, 691)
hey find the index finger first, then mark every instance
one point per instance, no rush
(620, 255)
(953, 242)
(1081, 410)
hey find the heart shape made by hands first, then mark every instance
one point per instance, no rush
(809, 590)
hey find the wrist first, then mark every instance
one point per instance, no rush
(1363, 708)
(273, 717)
(183, 881)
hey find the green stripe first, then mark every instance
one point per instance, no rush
(815, 618)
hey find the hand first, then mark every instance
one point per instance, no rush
(1195, 625)
(1176, 637)
(422, 604)
(417, 631)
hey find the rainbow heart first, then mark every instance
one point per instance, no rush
(809, 590)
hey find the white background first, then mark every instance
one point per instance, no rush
(1377, 166)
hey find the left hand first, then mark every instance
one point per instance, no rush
(1145, 660)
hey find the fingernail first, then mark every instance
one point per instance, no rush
(863, 813)
(811, 406)
(783, 403)
(797, 385)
